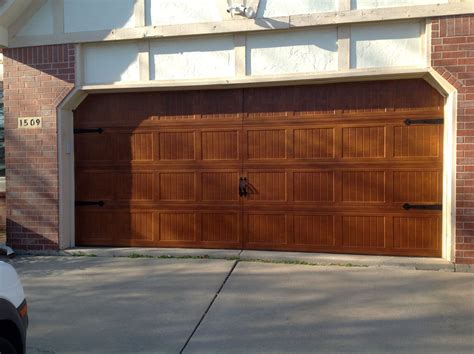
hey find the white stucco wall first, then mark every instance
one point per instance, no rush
(169, 12)
(275, 8)
(209, 57)
(292, 52)
(91, 15)
(109, 63)
(371, 4)
(386, 45)
(41, 23)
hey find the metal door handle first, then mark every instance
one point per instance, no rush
(243, 187)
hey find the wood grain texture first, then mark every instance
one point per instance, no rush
(328, 168)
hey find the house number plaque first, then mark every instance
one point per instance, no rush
(30, 122)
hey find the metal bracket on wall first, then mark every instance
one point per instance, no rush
(80, 203)
(408, 206)
(436, 121)
(88, 130)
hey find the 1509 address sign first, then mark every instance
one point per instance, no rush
(30, 122)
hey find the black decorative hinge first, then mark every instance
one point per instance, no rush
(435, 121)
(88, 130)
(408, 206)
(80, 203)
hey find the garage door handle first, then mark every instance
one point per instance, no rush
(408, 206)
(80, 203)
(243, 187)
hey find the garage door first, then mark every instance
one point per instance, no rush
(349, 168)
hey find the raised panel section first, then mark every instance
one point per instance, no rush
(313, 143)
(363, 142)
(220, 227)
(135, 147)
(266, 144)
(314, 230)
(416, 232)
(141, 225)
(417, 141)
(94, 185)
(363, 231)
(417, 186)
(266, 228)
(177, 226)
(313, 186)
(133, 226)
(220, 186)
(363, 186)
(93, 226)
(137, 186)
(220, 145)
(177, 146)
(94, 147)
(267, 186)
(177, 186)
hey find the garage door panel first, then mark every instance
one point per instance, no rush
(417, 186)
(177, 146)
(221, 227)
(94, 226)
(177, 227)
(314, 230)
(268, 186)
(363, 142)
(266, 144)
(416, 232)
(94, 148)
(266, 228)
(134, 147)
(314, 143)
(310, 186)
(220, 186)
(92, 185)
(417, 141)
(363, 231)
(220, 145)
(177, 186)
(363, 186)
(135, 187)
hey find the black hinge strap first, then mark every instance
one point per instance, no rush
(424, 121)
(80, 203)
(88, 130)
(408, 206)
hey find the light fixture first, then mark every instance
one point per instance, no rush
(236, 7)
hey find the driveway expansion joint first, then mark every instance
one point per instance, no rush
(209, 307)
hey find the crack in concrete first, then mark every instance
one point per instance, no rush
(209, 307)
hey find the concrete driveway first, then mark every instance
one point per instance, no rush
(125, 305)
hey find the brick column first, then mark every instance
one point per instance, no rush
(36, 80)
(453, 57)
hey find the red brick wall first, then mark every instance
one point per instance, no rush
(453, 58)
(36, 80)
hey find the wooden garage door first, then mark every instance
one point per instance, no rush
(353, 168)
